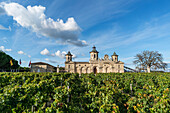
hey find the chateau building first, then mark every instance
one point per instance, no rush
(95, 64)
(42, 67)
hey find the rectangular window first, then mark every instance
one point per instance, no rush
(68, 68)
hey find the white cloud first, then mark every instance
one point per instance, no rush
(45, 52)
(59, 53)
(62, 54)
(77, 42)
(154, 30)
(9, 28)
(51, 61)
(83, 41)
(8, 49)
(34, 18)
(20, 52)
(2, 48)
(4, 28)
(2, 11)
(95, 12)
(74, 56)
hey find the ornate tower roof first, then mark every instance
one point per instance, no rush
(94, 50)
(69, 53)
(114, 54)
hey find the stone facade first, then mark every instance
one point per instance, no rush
(95, 65)
(42, 67)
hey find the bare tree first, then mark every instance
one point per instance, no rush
(149, 59)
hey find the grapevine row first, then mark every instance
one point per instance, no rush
(58, 92)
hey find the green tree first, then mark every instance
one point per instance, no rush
(5, 61)
(149, 59)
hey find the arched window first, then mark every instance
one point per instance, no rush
(68, 68)
(77, 70)
(88, 70)
(118, 66)
(106, 70)
(94, 70)
(81, 70)
(94, 55)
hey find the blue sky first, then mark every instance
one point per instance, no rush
(45, 30)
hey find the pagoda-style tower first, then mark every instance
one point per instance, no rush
(115, 57)
(94, 54)
(68, 57)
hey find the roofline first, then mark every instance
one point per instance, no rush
(43, 63)
(82, 62)
(76, 62)
(115, 55)
(94, 52)
(68, 55)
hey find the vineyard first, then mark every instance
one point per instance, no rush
(58, 92)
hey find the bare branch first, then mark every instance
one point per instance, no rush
(149, 59)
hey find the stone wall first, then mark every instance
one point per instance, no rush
(41, 68)
(99, 67)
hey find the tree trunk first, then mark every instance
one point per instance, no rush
(148, 69)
